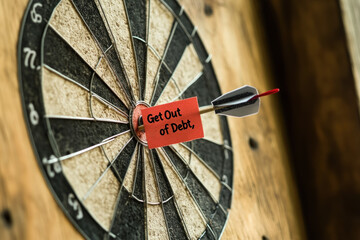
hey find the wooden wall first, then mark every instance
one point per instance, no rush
(265, 204)
(313, 65)
(265, 199)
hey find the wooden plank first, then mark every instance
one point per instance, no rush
(28, 211)
(265, 203)
(351, 18)
(265, 200)
(321, 104)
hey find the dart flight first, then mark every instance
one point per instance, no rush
(241, 102)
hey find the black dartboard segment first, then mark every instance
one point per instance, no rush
(84, 66)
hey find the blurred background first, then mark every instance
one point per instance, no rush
(314, 51)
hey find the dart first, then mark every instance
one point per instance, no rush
(241, 102)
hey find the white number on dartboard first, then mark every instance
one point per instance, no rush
(75, 205)
(35, 17)
(53, 168)
(30, 56)
(34, 116)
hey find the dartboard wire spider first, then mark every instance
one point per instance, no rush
(189, 170)
(153, 50)
(161, 167)
(173, 193)
(147, 45)
(189, 36)
(140, 150)
(101, 99)
(167, 67)
(133, 50)
(51, 137)
(139, 158)
(91, 86)
(152, 168)
(92, 68)
(183, 180)
(71, 155)
(155, 83)
(177, 23)
(89, 191)
(152, 163)
(118, 54)
(84, 119)
(171, 79)
(144, 188)
(197, 77)
(126, 90)
(136, 149)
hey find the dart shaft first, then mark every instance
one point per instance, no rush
(210, 108)
(206, 109)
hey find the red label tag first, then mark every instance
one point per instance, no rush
(172, 123)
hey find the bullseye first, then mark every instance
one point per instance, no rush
(135, 122)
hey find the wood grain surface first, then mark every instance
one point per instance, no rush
(312, 59)
(265, 202)
(351, 18)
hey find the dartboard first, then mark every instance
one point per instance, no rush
(86, 70)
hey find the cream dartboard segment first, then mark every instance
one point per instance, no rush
(86, 69)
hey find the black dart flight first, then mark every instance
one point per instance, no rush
(241, 102)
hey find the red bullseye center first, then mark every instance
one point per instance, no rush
(136, 114)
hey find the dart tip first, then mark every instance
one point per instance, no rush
(276, 90)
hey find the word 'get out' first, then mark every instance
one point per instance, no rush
(174, 127)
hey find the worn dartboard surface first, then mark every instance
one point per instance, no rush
(86, 68)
